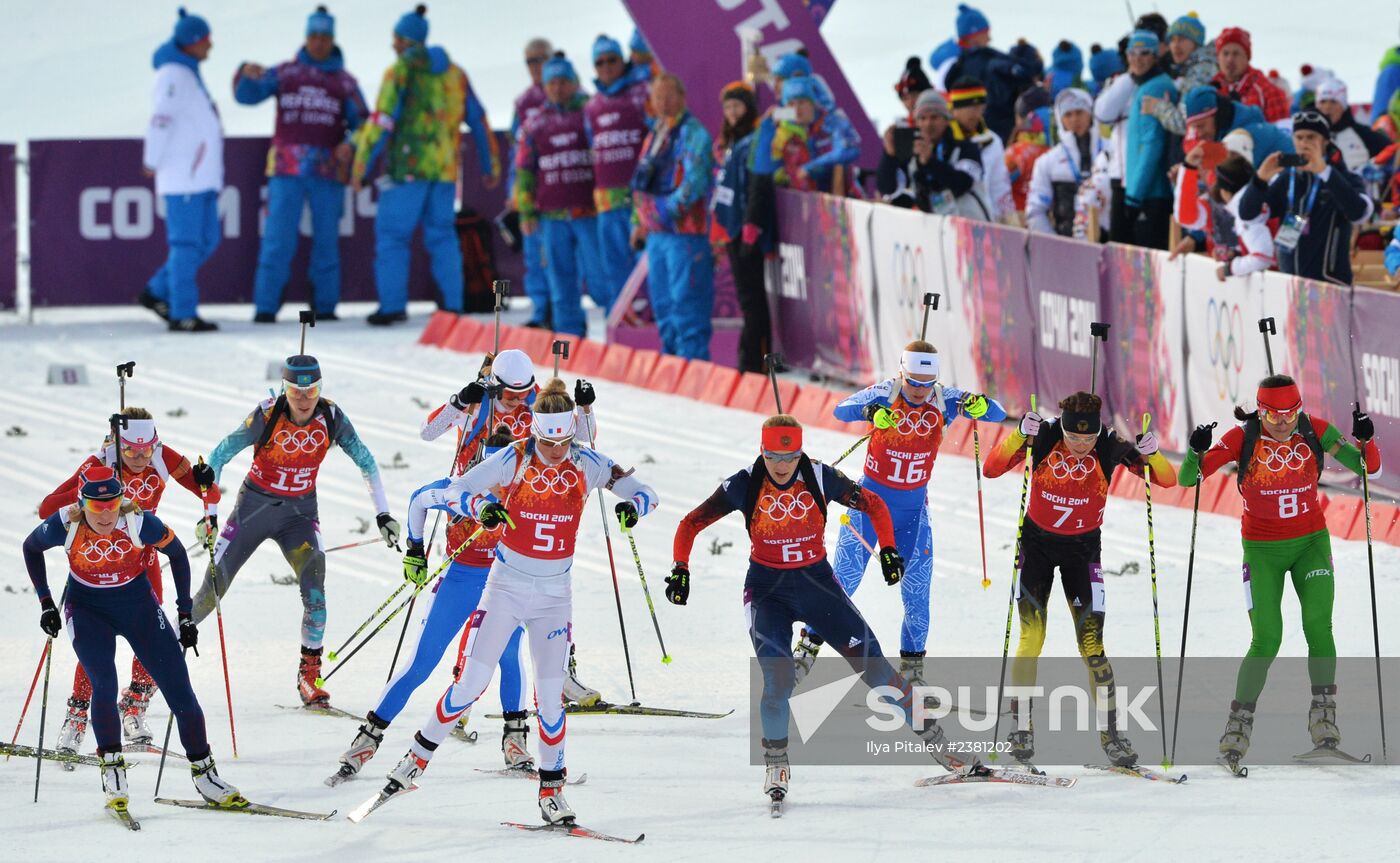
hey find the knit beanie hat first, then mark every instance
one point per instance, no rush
(558, 66)
(1189, 26)
(930, 100)
(190, 29)
(413, 26)
(799, 88)
(1199, 102)
(320, 21)
(1312, 121)
(792, 65)
(605, 45)
(1234, 36)
(1104, 63)
(970, 23)
(913, 80)
(1143, 41)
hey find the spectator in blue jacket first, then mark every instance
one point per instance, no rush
(727, 207)
(319, 106)
(1213, 117)
(1066, 67)
(1147, 193)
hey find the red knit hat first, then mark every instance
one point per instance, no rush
(1236, 35)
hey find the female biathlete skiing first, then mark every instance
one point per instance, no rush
(1279, 450)
(783, 496)
(147, 465)
(909, 412)
(1072, 463)
(537, 489)
(108, 540)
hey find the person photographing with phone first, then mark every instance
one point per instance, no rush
(1315, 199)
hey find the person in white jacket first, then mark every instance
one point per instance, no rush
(184, 151)
(1111, 108)
(1064, 180)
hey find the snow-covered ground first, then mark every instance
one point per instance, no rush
(686, 783)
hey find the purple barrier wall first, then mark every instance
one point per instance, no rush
(1375, 319)
(1141, 297)
(1317, 332)
(97, 231)
(9, 228)
(1063, 295)
(992, 265)
(699, 41)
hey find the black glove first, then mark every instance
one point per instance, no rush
(473, 393)
(49, 620)
(678, 584)
(203, 475)
(583, 393)
(189, 634)
(891, 564)
(869, 411)
(626, 514)
(1362, 428)
(1201, 437)
(493, 515)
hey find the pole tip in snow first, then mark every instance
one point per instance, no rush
(666, 660)
(332, 656)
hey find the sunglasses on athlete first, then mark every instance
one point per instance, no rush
(561, 442)
(312, 391)
(782, 457)
(920, 384)
(111, 504)
(138, 451)
(1278, 417)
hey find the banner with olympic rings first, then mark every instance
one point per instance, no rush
(1225, 353)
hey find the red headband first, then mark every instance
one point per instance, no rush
(1284, 398)
(782, 438)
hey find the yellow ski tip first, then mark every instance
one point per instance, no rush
(666, 660)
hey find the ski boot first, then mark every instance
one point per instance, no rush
(574, 690)
(1022, 744)
(409, 768)
(911, 667)
(1322, 721)
(212, 787)
(515, 742)
(362, 749)
(134, 701)
(805, 654)
(1234, 743)
(308, 673)
(778, 772)
(554, 809)
(70, 736)
(114, 780)
(1118, 748)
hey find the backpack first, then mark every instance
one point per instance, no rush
(1251, 440)
(759, 473)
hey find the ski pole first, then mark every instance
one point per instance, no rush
(442, 567)
(33, 683)
(43, 714)
(1015, 583)
(1156, 617)
(500, 288)
(165, 747)
(637, 558)
(846, 522)
(1185, 618)
(124, 371)
(612, 566)
(335, 654)
(1267, 328)
(981, 519)
(930, 304)
(771, 363)
(308, 319)
(375, 541)
(1371, 566)
(842, 457)
(560, 349)
(1098, 332)
(219, 616)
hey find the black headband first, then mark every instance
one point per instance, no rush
(1076, 422)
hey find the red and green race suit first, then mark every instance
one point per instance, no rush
(1284, 532)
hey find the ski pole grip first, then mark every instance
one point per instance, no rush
(1099, 330)
(1266, 325)
(307, 316)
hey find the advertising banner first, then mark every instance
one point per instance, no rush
(1063, 287)
(9, 228)
(1145, 372)
(986, 273)
(1375, 320)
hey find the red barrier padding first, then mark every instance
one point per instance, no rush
(1343, 511)
(535, 343)
(584, 357)
(1228, 500)
(616, 359)
(693, 379)
(484, 341)
(751, 389)
(1385, 523)
(830, 421)
(639, 370)
(1125, 484)
(720, 385)
(956, 438)
(666, 374)
(810, 405)
(437, 328)
(462, 336)
(1175, 496)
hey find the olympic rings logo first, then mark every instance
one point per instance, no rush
(106, 550)
(306, 441)
(1225, 346)
(910, 280)
(138, 488)
(1071, 467)
(915, 423)
(519, 424)
(1278, 458)
(787, 505)
(552, 479)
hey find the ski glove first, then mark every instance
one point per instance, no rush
(494, 515)
(1201, 438)
(1362, 428)
(891, 564)
(388, 529)
(1030, 423)
(189, 634)
(975, 405)
(473, 393)
(49, 619)
(879, 415)
(203, 475)
(205, 528)
(678, 584)
(583, 393)
(1146, 444)
(415, 563)
(626, 514)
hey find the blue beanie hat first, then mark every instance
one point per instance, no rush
(799, 88)
(320, 21)
(1199, 102)
(970, 22)
(558, 66)
(792, 66)
(190, 29)
(1104, 63)
(605, 45)
(1190, 26)
(101, 483)
(301, 370)
(413, 26)
(1143, 40)
(1067, 58)
(637, 43)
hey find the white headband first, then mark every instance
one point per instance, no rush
(919, 363)
(555, 426)
(139, 433)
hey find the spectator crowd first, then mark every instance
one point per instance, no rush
(1168, 139)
